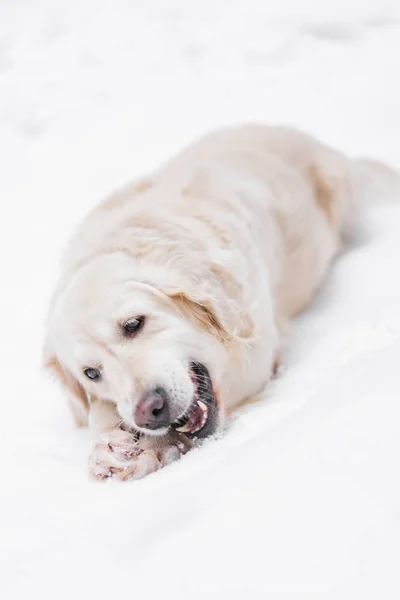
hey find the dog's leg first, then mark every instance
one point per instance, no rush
(113, 447)
(125, 454)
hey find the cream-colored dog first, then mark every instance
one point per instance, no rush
(175, 292)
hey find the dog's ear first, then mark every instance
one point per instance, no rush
(202, 313)
(77, 397)
(209, 300)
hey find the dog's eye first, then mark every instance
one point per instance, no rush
(92, 374)
(133, 326)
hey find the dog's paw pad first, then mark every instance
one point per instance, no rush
(112, 454)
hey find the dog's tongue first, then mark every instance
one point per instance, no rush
(197, 419)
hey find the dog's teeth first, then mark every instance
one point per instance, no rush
(204, 414)
(184, 429)
(203, 422)
(202, 406)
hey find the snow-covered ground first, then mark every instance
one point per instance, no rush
(301, 499)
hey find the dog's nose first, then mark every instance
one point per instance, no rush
(152, 412)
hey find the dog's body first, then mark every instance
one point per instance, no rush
(176, 292)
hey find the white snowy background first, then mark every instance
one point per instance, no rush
(301, 499)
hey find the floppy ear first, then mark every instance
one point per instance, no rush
(211, 299)
(211, 305)
(203, 313)
(77, 397)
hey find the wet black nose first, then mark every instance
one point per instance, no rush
(152, 412)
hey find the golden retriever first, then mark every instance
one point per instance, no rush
(175, 292)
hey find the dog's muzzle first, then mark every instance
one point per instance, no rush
(199, 421)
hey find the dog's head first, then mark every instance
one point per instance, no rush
(154, 342)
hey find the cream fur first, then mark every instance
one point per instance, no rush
(220, 248)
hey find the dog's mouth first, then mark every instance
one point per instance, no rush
(201, 418)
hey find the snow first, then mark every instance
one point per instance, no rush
(301, 498)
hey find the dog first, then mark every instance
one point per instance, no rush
(176, 292)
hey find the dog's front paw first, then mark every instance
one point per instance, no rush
(120, 454)
(113, 454)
